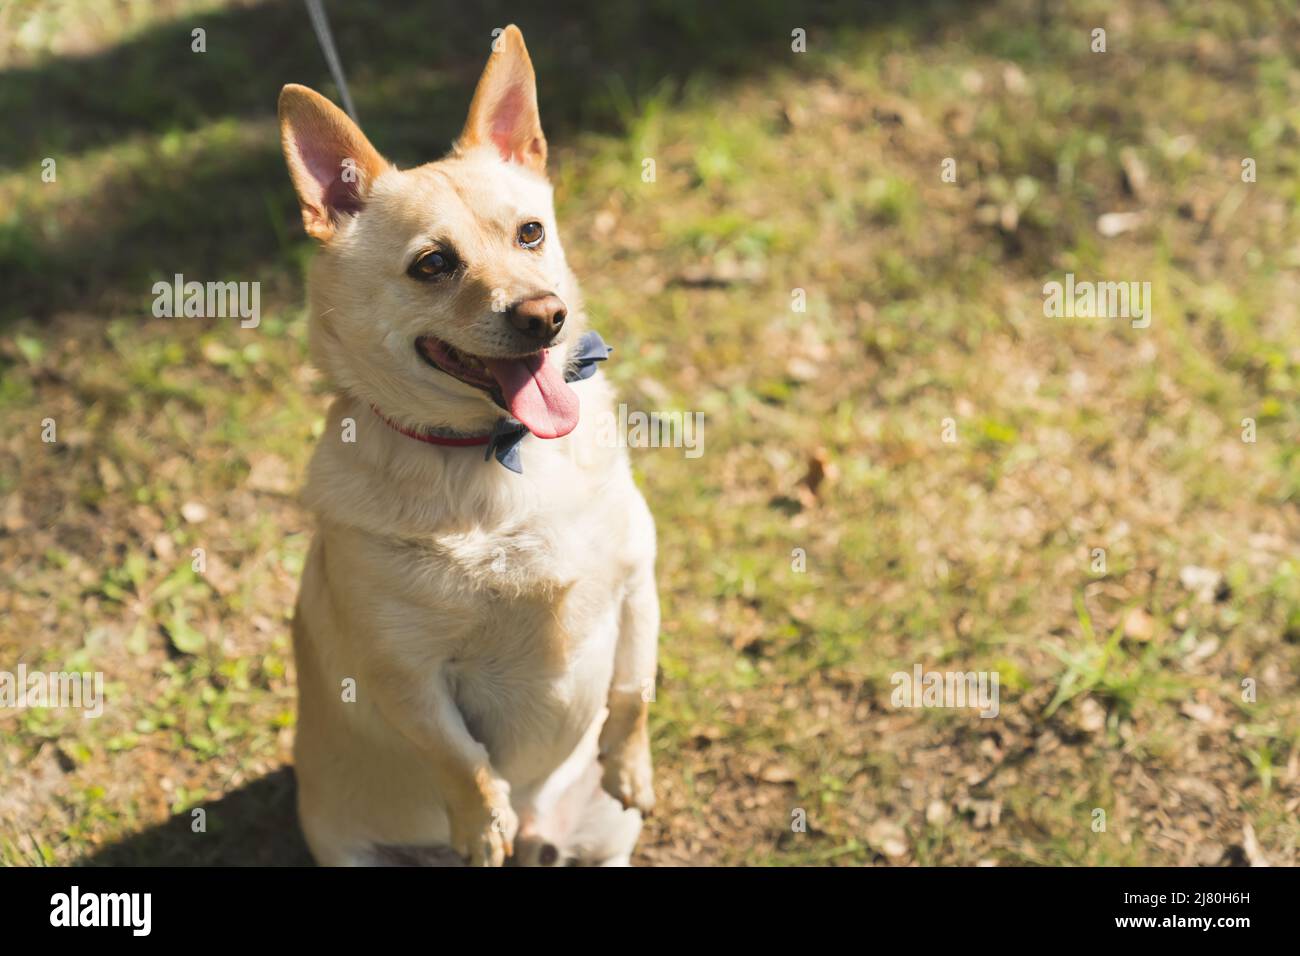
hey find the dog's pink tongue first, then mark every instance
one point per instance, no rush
(536, 393)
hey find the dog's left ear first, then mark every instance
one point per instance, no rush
(504, 110)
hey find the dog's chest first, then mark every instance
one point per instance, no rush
(526, 595)
(482, 575)
(526, 632)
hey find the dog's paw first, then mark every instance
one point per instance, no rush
(627, 778)
(484, 835)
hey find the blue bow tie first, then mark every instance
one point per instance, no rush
(503, 442)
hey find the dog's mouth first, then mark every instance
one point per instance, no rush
(459, 365)
(532, 387)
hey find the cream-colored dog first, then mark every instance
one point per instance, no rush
(475, 646)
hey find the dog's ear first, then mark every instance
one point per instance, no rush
(504, 110)
(331, 162)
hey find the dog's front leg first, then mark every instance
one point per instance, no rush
(625, 737)
(483, 824)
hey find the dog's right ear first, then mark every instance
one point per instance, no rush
(331, 162)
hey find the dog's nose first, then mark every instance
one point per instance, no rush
(540, 317)
(549, 855)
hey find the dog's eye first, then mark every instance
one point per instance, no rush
(432, 265)
(531, 235)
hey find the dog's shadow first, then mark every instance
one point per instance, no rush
(256, 825)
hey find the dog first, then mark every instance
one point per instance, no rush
(476, 629)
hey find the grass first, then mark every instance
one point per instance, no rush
(830, 536)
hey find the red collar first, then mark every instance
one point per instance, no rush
(431, 439)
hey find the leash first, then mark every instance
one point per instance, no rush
(321, 25)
